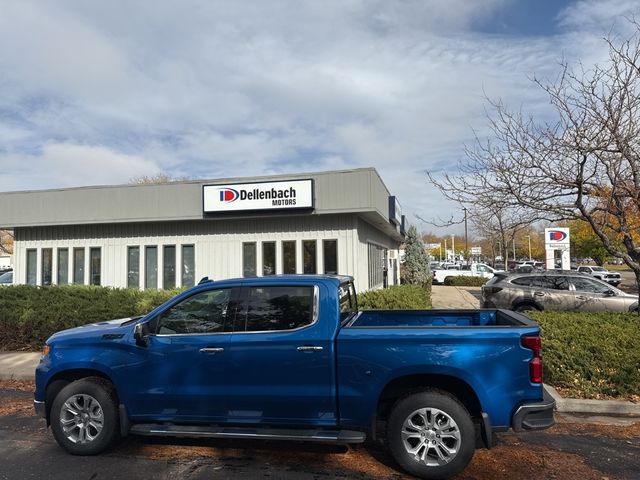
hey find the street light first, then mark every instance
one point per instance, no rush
(453, 246)
(529, 239)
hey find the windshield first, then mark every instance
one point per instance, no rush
(6, 277)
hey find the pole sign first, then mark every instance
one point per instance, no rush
(280, 195)
(556, 237)
(476, 250)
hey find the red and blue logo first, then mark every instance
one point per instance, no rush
(557, 235)
(228, 195)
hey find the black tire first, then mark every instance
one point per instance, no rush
(436, 406)
(526, 307)
(96, 425)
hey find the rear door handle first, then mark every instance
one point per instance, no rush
(539, 294)
(309, 348)
(212, 350)
(581, 297)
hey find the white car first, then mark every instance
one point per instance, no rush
(476, 270)
(603, 274)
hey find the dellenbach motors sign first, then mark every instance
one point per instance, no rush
(258, 196)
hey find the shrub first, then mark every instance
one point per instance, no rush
(464, 281)
(591, 355)
(397, 297)
(29, 315)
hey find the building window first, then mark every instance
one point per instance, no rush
(330, 255)
(151, 267)
(169, 267)
(289, 257)
(376, 265)
(47, 266)
(78, 266)
(188, 265)
(268, 258)
(249, 259)
(63, 266)
(133, 267)
(32, 266)
(309, 259)
(95, 267)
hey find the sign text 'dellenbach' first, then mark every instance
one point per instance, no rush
(258, 196)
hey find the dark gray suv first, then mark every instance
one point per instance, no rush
(555, 291)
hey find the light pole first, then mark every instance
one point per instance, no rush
(514, 247)
(529, 239)
(446, 255)
(453, 246)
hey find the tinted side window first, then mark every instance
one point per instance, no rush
(588, 285)
(347, 300)
(524, 281)
(204, 313)
(276, 308)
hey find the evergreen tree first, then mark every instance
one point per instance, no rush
(416, 261)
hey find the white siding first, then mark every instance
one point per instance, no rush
(218, 244)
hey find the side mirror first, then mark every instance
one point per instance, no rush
(140, 334)
(610, 293)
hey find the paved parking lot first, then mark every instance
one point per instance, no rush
(568, 451)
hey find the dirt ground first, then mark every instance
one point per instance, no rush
(515, 456)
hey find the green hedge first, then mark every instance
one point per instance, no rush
(463, 281)
(398, 297)
(29, 315)
(591, 355)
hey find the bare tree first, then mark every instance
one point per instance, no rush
(585, 165)
(158, 178)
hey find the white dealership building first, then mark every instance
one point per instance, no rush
(171, 235)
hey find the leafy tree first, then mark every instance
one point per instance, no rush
(585, 243)
(416, 261)
(6, 242)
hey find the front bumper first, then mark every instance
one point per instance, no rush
(534, 416)
(40, 408)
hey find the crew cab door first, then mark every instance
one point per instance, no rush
(181, 373)
(281, 358)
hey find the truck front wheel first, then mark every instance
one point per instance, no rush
(84, 416)
(431, 435)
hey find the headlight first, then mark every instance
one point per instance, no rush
(45, 350)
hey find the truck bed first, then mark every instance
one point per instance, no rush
(440, 318)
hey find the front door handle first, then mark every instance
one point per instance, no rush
(309, 348)
(539, 294)
(212, 350)
(581, 297)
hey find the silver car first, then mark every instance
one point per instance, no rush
(555, 291)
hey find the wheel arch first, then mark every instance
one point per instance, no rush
(63, 378)
(401, 387)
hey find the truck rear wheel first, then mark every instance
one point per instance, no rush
(431, 435)
(84, 416)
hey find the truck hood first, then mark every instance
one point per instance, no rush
(92, 330)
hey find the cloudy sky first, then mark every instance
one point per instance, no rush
(95, 92)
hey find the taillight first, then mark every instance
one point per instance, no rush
(535, 365)
(491, 290)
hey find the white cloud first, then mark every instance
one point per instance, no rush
(68, 165)
(98, 92)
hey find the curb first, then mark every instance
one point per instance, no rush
(600, 407)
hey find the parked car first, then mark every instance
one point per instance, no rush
(6, 278)
(474, 270)
(602, 273)
(291, 358)
(555, 290)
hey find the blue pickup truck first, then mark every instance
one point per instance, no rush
(291, 357)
